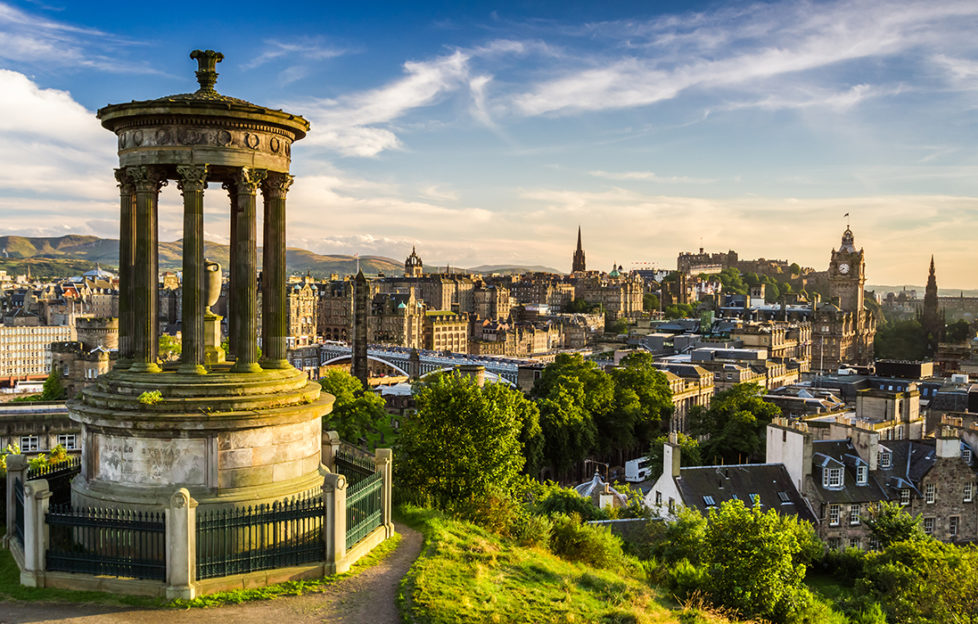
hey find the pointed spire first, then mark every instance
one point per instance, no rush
(932, 264)
(579, 238)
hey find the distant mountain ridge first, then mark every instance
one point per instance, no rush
(75, 248)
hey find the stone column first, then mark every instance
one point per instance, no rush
(244, 267)
(16, 467)
(274, 327)
(127, 244)
(193, 181)
(181, 546)
(37, 497)
(334, 523)
(383, 463)
(331, 444)
(147, 182)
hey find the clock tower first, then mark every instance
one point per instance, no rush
(847, 274)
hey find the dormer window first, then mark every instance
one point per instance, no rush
(966, 455)
(708, 501)
(832, 478)
(862, 474)
(886, 459)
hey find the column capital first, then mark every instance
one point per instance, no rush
(125, 184)
(146, 178)
(193, 178)
(276, 185)
(245, 181)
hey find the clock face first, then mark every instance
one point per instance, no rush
(844, 268)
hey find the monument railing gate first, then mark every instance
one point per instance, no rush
(364, 511)
(264, 537)
(19, 511)
(112, 542)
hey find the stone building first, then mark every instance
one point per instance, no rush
(619, 293)
(844, 328)
(334, 314)
(490, 301)
(446, 331)
(92, 354)
(396, 319)
(413, 267)
(302, 312)
(25, 350)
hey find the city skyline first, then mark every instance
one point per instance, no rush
(752, 127)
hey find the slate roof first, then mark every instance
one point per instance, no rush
(841, 453)
(771, 482)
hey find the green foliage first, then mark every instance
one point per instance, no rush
(756, 561)
(642, 399)
(53, 388)
(37, 462)
(795, 268)
(170, 348)
(958, 331)
(889, 523)
(619, 326)
(580, 306)
(29, 398)
(11, 449)
(689, 453)
(650, 302)
(593, 545)
(679, 310)
(358, 416)
(58, 454)
(735, 423)
(150, 397)
(901, 340)
(463, 443)
(558, 500)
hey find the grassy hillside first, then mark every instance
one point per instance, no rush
(466, 574)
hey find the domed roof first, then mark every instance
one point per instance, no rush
(848, 241)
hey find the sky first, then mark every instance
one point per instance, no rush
(486, 133)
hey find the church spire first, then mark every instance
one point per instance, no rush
(578, 263)
(931, 320)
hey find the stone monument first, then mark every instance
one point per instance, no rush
(240, 432)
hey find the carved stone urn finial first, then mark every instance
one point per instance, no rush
(207, 61)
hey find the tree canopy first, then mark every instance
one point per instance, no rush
(359, 417)
(464, 441)
(735, 424)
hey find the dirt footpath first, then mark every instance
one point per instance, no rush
(367, 598)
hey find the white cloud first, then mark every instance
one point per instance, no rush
(649, 176)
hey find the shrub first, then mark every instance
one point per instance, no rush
(685, 579)
(150, 397)
(592, 545)
(558, 500)
(848, 564)
(531, 531)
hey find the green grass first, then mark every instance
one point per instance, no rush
(466, 574)
(292, 588)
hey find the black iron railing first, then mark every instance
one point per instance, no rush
(283, 534)
(109, 542)
(59, 478)
(353, 466)
(19, 511)
(363, 508)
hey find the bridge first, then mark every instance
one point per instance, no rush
(426, 362)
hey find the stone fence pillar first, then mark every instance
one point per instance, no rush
(383, 463)
(37, 497)
(16, 469)
(334, 523)
(331, 444)
(181, 546)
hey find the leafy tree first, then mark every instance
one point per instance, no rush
(11, 449)
(901, 340)
(679, 310)
(641, 400)
(734, 424)
(581, 306)
(356, 415)
(958, 331)
(795, 269)
(170, 347)
(619, 326)
(53, 389)
(573, 394)
(463, 443)
(650, 302)
(889, 523)
(689, 453)
(756, 561)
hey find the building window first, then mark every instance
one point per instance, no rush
(930, 493)
(832, 478)
(854, 512)
(67, 440)
(834, 512)
(905, 496)
(874, 543)
(854, 542)
(929, 526)
(966, 455)
(969, 492)
(658, 499)
(755, 499)
(862, 474)
(28, 444)
(708, 501)
(952, 526)
(886, 459)
(784, 498)
(835, 543)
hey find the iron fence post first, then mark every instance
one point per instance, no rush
(16, 467)
(37, 497)
(181, 546)
(334, 522)
(383, 462)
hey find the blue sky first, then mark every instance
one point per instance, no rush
(486, 132)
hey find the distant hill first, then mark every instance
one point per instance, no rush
(65, 255)
(941, 292)
(509, 269)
